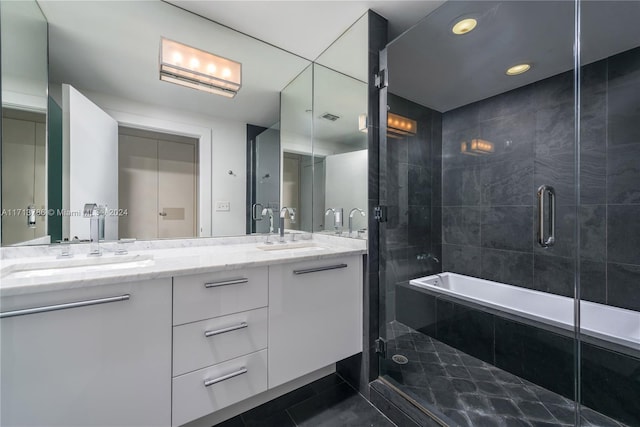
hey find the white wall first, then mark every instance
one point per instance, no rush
(24, 64)
(346, 184)
(222, 147)
(91, 137)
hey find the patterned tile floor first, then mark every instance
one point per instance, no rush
(327, 402)
(471, 392)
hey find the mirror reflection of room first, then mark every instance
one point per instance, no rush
(166, 160)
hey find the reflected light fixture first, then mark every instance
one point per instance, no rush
(197, 69)
(399, 126)
(477, 147)
(518, 69)
(363, 125)
(464, 26)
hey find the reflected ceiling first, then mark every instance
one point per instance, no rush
(113, 47)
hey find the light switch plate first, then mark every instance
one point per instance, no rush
(223, 206)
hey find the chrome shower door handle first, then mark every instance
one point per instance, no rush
(550, 239)
(256, 215)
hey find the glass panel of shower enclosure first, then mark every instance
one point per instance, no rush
(609, 212)
(479, 174)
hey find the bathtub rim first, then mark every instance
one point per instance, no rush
(608, 342)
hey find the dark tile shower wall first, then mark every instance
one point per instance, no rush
(489, 205)
(412, 194)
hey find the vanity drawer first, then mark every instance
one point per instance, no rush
(234, 380)
(205, 343)
(204, 296)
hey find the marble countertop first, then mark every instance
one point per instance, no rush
(165, 259)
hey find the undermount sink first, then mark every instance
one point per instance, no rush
(291, 246)
(75, 265)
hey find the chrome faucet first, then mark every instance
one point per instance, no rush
(353, 211)
(268, 211)
(283, 214)
(92, 212)
(337, 218)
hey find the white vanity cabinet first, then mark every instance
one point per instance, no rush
(315, 315)
(94, 356)
(219, 340)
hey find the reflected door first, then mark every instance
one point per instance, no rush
(157, 187)
(176, 189)
(265, 178)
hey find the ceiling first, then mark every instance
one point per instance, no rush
(451, 70)
(306, 27)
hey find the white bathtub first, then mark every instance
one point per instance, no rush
(612, 324)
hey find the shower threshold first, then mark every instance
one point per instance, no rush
(461, 390)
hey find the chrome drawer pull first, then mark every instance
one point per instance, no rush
(314, 270)
(225, 330)
(226, 282)
(63, 306)
(241, 371)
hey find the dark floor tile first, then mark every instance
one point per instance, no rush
(278, 419)
(535, 410)
(463, 386)
(593, 418)
(339, 405)
(458, 417)
(232, 422)
(515, 422)
(455, 371)
(392, 412)
(278, 405)
(482, 420)
(504, 407)
(475, 402)
(324, 383)
(564, 414)
(491, 389)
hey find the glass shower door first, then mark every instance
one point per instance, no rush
(609, 250)
(479, 174)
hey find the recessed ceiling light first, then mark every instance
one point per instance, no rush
(464, 26)
(518, 69)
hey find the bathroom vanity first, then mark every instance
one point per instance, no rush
(186, 332)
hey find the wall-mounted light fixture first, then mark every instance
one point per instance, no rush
(197, 69)
(477, 147)
(399, 126)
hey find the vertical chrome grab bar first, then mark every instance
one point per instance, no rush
(551, 239)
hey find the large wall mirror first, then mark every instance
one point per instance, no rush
(161, 160)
